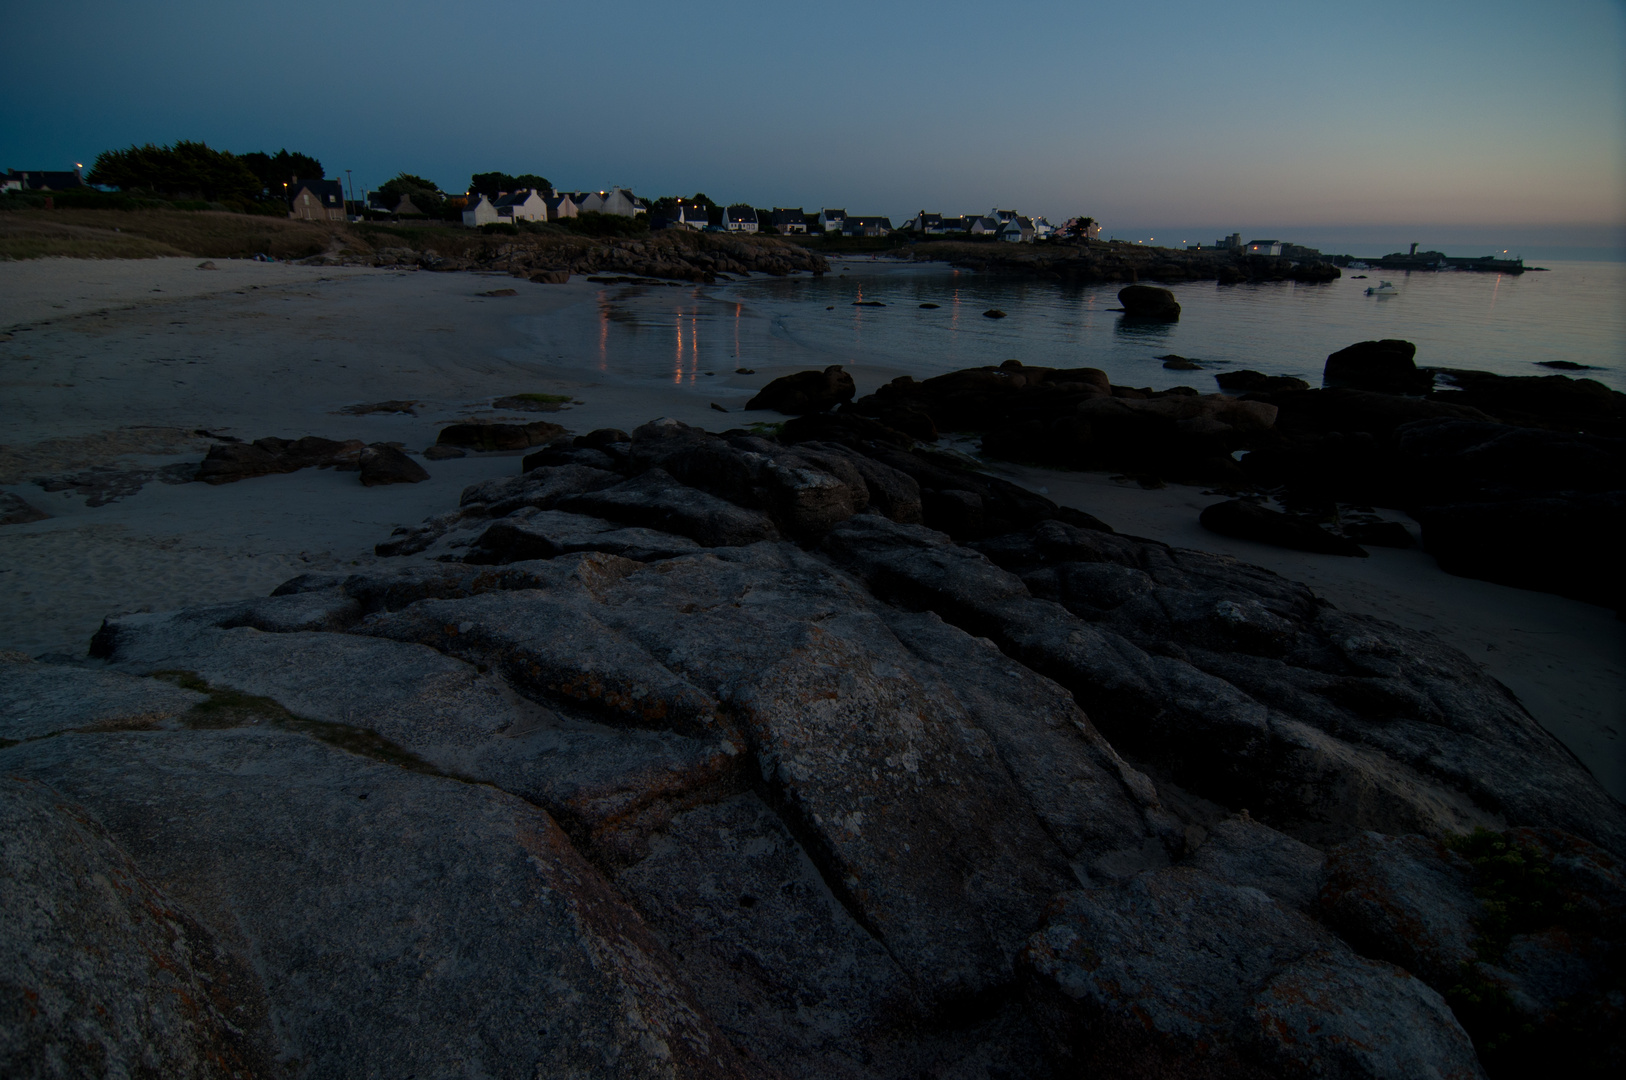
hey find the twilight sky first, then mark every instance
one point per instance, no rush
(1481, 118)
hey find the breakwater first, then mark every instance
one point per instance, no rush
(1118, 261)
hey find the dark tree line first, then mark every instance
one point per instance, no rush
(194, 170)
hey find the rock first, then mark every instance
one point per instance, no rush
(481, 436)
(1548, 401)
(1379, 534)
(1248, 381)
(1148, 302)
(1180, 363)
(229, 462)
(718, 408)
(1406, 899)
(993, 313)
(1241, 687)
(745, 371)
(655, 500)
(1564, 365)
(532, 402)
(499, 292)
(1385, 366)
(207, 265)
(549, 533)
(443, 453)
(309, 864)
(37, 700)
(1178, 974)
(118, 978)
(408, 407)
(1241, 851)
(550, 277)
(806, 392)
(931, 306)
(1250, 521)
(385, 464)
(14, 511)
(1513, 542)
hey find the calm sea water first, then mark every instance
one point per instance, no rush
(1576, 311)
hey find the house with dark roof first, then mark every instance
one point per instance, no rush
(37, 180)
(831, 220)
(693, 215)
(560, 205)
(481, 212)
(982, 225)
(866, 226)
(787, 220)
(740, 218)
(316, 200)
(399, 205)
(526, 205)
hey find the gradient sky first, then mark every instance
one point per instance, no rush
(1313, 115)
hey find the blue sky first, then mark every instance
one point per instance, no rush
(1490, 117)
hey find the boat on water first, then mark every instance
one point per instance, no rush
(1358, 265)
(1383, 288)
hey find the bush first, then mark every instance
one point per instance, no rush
(501, 228)
(594, 223)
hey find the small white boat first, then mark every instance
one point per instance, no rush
(1383, 288)
(1358, 265)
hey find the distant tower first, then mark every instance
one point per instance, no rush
(1414, 249)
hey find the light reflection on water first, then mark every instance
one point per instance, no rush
(1493, 322)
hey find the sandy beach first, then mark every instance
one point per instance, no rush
(108, 370)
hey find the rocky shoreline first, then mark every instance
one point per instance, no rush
(680, 754)
(1107, 261)
(1517, 480)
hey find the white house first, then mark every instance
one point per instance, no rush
(789, 219)
(317, 200)
(832, 220)
(1264, 247)
(526, 205)
(982, 225)
(481, 213)
(615, 201)
(694, 215)
(741, 218)
(560, 206)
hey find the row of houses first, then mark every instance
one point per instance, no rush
(1000, 224)
(532, 205)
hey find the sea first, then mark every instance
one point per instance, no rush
(880, 318)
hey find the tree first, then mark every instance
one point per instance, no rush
(187, 170)
(1082, 228)
(275, 170)
(491, 184)
(425, 194)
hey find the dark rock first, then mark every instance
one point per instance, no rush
(550, 277)
(1556, 402)
(443, 453)
(384, 464)
(1250, 521)
(1565, 365)
(1385, 366)
(308, 864)
(1379, 534)
(14, 511)
(408, 407)
(1241, 851)
(1248, 381)
(118, 978)
(868, 303)
(745, 371)
(718, 407)
(545, 534)
(481, 436)
(230, 462)
(1127, 983)
(1148, 302)
(933, 306)
(993, 313)
(531, 402)
(37, 700)
(806, 392)
(1566, 544)
(655, 500)
(1180, 363)
(499, 292)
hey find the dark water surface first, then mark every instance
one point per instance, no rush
(1492, 322)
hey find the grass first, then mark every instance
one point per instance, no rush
(147, 234)
(228, 708)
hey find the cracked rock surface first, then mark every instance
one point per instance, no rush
(820, 756)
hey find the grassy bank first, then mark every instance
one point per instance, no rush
(145, 234)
